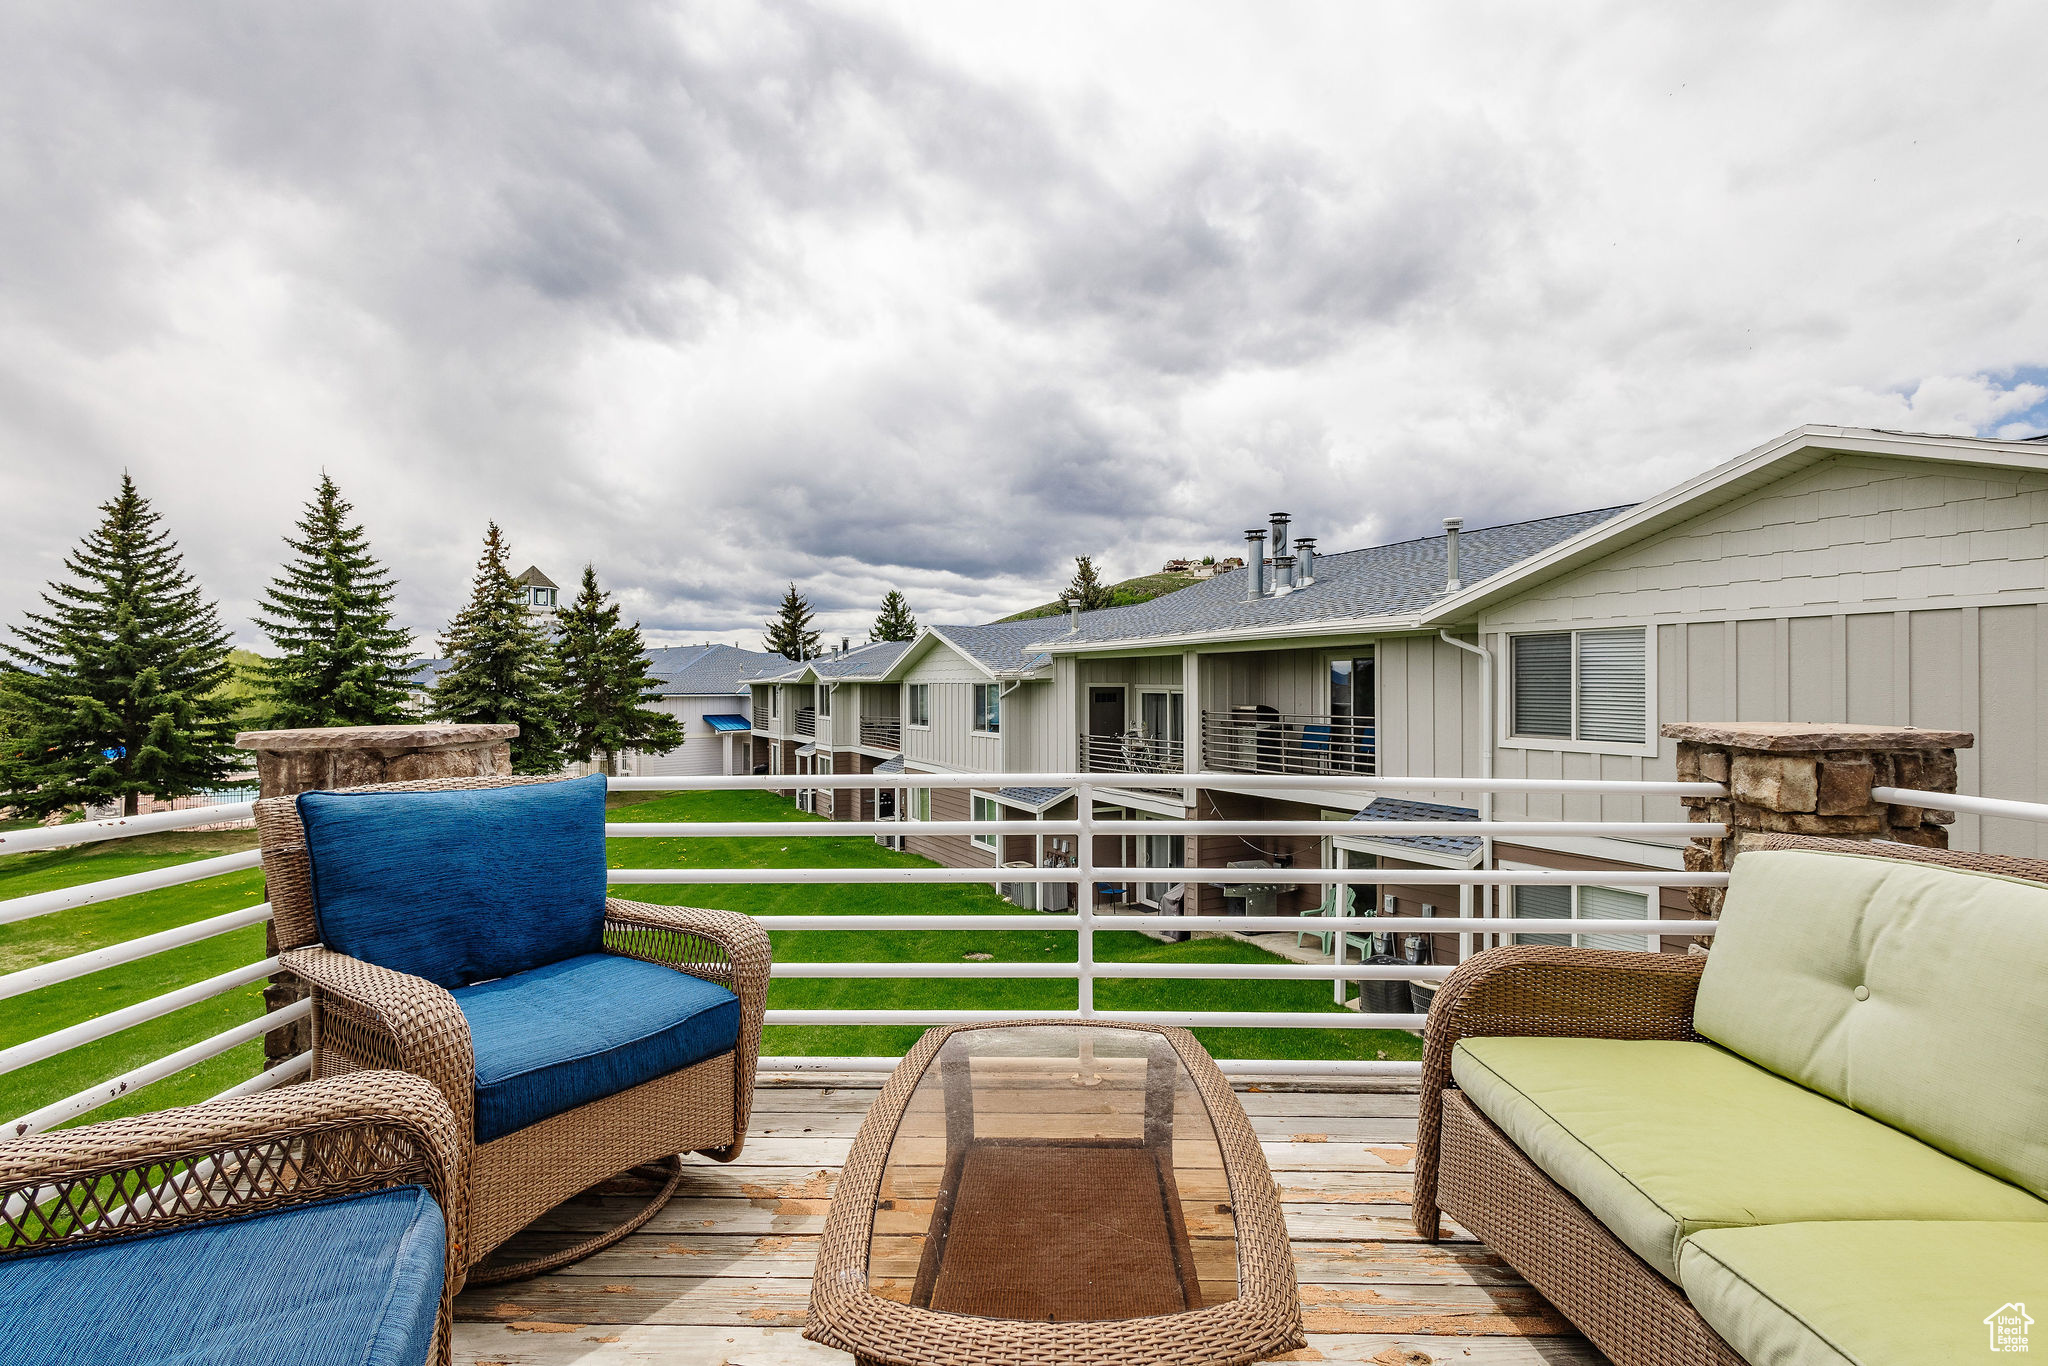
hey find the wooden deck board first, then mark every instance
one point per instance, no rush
(722, 1274)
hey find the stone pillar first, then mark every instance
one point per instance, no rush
(1809, 778)
(289, 762)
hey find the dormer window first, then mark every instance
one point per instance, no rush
(543, 597)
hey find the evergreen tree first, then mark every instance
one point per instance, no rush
(789, 633)
(1087, 589)
(605, 691)
(340, 660)
(895, 621)
(500, 666)
(114, 691)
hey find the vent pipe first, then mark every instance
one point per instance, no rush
(1451, 581)
(1305, 566)
(1283, 575)
(1255, 564)
(1280, 546)
(1073, 617)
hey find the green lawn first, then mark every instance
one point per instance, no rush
(68, 932)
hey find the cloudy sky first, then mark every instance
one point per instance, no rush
(937, 296)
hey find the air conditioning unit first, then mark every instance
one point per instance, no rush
(807, 799)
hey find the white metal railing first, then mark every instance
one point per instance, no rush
(1473, 924)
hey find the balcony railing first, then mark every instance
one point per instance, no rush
(1131, 752)
(1260, 740)
(881, 732)
(1084, 921)
(760, 717)
(806, 721)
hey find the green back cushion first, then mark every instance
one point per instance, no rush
(1916, 994)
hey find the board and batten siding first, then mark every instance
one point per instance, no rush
(950, 741)
(1859, 589)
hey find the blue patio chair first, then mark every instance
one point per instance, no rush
(458, 929)
(320, 1225)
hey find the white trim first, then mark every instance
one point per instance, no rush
(1640, 854)
(1360, 845)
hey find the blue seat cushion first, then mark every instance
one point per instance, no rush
(354, 1281)
(572, 1032)
(462, 886)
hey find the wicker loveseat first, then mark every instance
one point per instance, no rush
(314, 1225)
(1824, 1142)
(458, 929)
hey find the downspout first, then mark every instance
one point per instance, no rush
(1486, 857)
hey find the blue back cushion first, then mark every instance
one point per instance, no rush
(463, 886)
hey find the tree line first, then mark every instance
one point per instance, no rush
(120, 685)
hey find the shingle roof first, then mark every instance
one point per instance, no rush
(1395, 809)
(1037, 798)
(1001, 646)
(894, 765)
(706, 670)
(862, 661)
(1384, 580)
(428, 671)
(533, 578)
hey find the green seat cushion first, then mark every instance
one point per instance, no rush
(1882, 1294)
(1662, 1139)
(1914, 993)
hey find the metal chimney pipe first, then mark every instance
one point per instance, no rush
(1283, 574)
(1280, 521)
(1073, 617)
(1255, 564)
(1305, 571)
(1451, 580)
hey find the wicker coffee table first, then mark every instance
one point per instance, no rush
(1056, 1192)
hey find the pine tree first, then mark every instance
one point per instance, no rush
(113, 691)
(500, 666)
(1087, 590)
(789, 633)
(895, 621)
(340, 660)
(605, 689)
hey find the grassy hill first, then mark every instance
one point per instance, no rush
(1144, 588)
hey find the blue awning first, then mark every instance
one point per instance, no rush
(727, 723)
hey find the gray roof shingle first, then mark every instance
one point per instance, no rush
(706, 670)
(1396, 809)
(1383, 580)
(1000, 646)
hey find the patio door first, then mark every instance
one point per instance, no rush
(1161, 715)
(1353, 713)
(1160, 851)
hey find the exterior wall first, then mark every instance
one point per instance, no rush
(1857, 590)
(950, 741)
(1036, 738)
(703, 749)
(954, 851)
(1291, 681)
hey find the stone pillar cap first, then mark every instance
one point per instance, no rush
(1811, 737)
(374, 737)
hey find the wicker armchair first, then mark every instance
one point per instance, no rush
(1467, 1168)
(365, 1015)
(231, 1160)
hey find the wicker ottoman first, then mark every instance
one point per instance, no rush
(1052, 1191)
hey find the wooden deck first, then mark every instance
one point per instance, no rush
(721, 1276)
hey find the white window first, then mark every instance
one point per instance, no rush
(1589, 686)
(775, 701)
(1584, 903)
(920, 803)
(824, 699)
(988, 708)
(917, 704)
(986, 809)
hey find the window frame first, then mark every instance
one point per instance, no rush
(1504, 701)
(1651, 911)
(978, 838)
(822, 693)
(982, 713)
(1176, 707)
(774, 701)
(917, 706)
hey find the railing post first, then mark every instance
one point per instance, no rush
(1809, 778)
(1084, 901)
(289, 762)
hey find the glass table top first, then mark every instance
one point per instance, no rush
(1055, 1173)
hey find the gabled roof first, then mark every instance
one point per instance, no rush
(869, 663)
(1767, 464)
(1002, 647)
(706, 670)
(1403, 579)
(533, 578)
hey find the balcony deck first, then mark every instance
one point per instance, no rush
(723, 1273)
